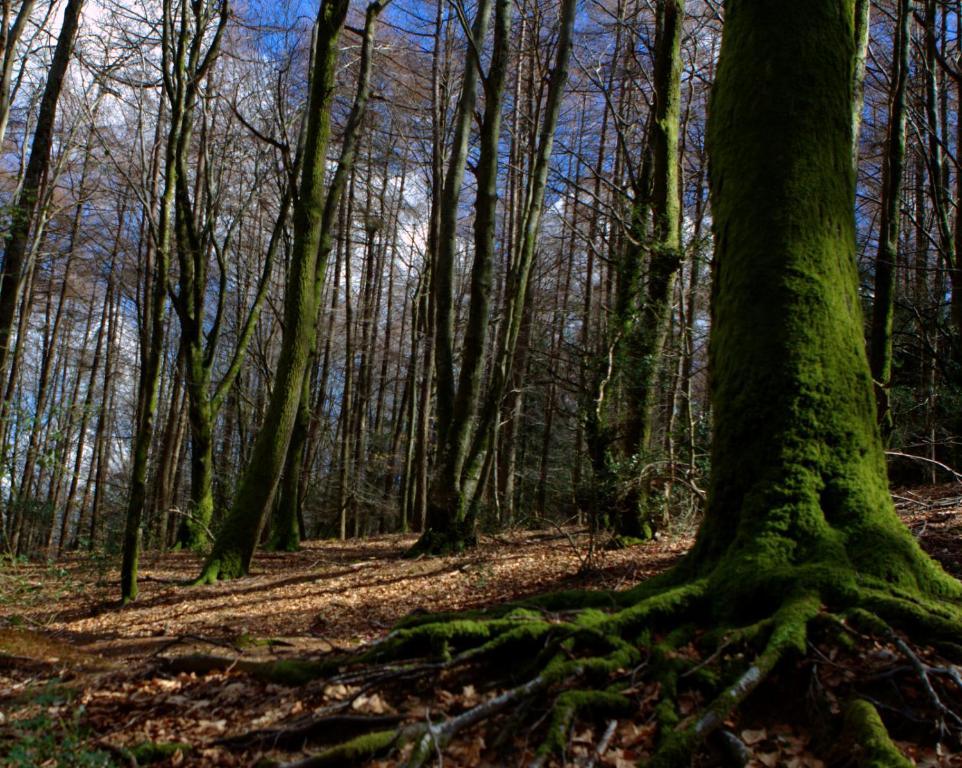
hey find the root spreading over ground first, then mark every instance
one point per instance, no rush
(270, 668)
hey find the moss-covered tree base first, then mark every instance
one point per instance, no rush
(683, 651)
(453, 540)
(221, 567)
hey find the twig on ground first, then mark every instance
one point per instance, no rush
(922, 670)
(603, 744)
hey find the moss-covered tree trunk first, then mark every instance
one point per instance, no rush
(619, 422)
(155, 307)
(798, 488)
(285, 535)
(511, 346)
(449, 525)
(194, 532)
(646, 326)
(314, 215)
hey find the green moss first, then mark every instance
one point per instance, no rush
(676, 602)
(866, 621)
(155, 751)
(591, 618)
(867, 739)
(357, 751)
(573, 599)
(623, 541)
(524, 636)
(571, 704)
(938, 621)
(674, 751)
(224, 565)
(292, 672)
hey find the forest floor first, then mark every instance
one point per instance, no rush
(84, 682)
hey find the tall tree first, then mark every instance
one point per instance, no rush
(451, 523)
(647, 324)
(22, 216)
(890, 214)
(315, 214)
(457, 408)
(189, 53)
(621, 417)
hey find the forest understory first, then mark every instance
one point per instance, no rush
(189, 676)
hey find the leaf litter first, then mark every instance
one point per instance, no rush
(337, 595)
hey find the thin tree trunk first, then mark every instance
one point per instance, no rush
(25, 207)
(883, 306)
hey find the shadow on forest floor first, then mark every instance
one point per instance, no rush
(62, 634)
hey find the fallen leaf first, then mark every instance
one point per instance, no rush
(754, 737)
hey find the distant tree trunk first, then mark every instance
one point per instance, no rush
(883, 307)
(46, 376)
(938, 185)
(568, 250)
(97, 477)
(449, 526)
(443, 277)
(344, 487)
(645, 323)
(10, 35)
(863, 28)
(181, 82)
(86, 409)
(620, 418)
(169, 454)
(510, 350)
(314, 217)
(23, 213)
(419, 471)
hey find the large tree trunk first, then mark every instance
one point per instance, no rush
(794, 404)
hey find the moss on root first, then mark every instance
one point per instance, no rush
(358, 751)
(582, 664)
(220, 568)
(866, 739)
(151, 752)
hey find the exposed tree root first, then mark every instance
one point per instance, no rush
(867, 738)
(314, 729)
(282, 672)
(591, 664)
